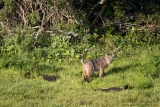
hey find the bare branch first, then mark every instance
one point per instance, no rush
(39, 31)
(99, 15)
(21, 13)
(115, 50)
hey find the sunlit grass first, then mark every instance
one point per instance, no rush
(137, 70)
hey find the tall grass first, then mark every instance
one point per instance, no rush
(136, 69)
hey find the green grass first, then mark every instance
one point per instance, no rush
(139, 70)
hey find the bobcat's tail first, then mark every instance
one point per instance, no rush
(82, 61)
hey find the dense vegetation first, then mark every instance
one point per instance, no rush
(33, 32)
(49, 37)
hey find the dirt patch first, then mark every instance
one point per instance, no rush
(51, 78)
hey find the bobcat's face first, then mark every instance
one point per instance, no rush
(109, 58)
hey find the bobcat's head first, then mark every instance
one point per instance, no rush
(109, 58)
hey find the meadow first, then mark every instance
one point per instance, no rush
(135, 70)
(43, 41)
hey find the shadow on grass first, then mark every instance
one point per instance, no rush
(50, 78)
(118, 69)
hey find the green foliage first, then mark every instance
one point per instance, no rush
(6, 10)
(118, 11)
(22, 48)
(34, 17)
(24, 51)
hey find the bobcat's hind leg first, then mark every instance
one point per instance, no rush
(86, 78)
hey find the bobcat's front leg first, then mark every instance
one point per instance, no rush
(101, 71)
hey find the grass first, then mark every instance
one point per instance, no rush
(139, 70)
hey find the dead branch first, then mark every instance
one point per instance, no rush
(39, 31)
(99, 15)
(115, 50)
(21, 13)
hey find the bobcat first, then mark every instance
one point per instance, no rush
(96, 64)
